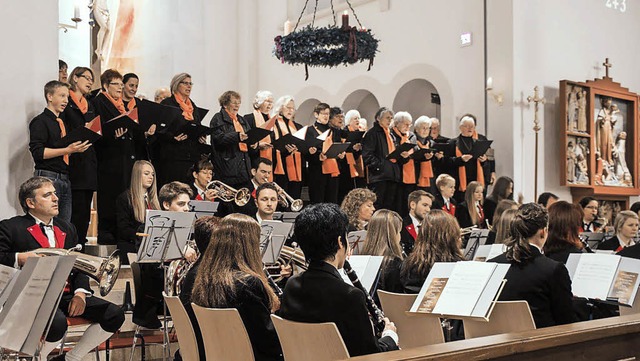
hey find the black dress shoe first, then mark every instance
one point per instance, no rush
(58, 357)
(150, 323)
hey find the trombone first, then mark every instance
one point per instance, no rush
(285, 200)
(227, 193)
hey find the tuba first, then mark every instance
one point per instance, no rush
(229, 194)
(103, 270)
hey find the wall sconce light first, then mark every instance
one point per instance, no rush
(497, 97)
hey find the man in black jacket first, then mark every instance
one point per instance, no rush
(419, 205)
(39, 229)
(320, 294)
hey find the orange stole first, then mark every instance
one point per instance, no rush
(260, 123)
(462, 173)
(238, 128)
(409, 168)
(356, 166)
(329, 166)
(63, 132)
(80, 101)
(292, 161)
(119, 104)
(426, 170)
(186, 106)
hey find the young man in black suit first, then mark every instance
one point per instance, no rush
(320, 295)
(261, 171)
(39, 229)
(419, 205)
(45, 130)
(266, 202)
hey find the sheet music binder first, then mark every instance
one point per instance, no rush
(166, 236)
(478, 237)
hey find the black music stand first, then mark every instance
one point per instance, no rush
(478, 237)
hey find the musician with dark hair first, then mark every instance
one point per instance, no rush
(39, 227)
(532, 277)
(320, 295)
(266, 201)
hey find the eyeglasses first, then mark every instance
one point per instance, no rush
(591, 207)
(121, 85)
(187, 83)
(234, 103)
(90, 79)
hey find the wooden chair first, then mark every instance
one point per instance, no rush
(310, 341)
(182, 323)
(413, 330)
(507, 316)
(224, 335)
(631, 310)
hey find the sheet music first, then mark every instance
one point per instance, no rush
(6, 275)
(439, 270)
(158, 225)
(464, 288)
(356, 241)
(367, 269)
(431, 297)
(273, 234)
(593, 274)
(21, 314)
(489, 251)
(625, 286)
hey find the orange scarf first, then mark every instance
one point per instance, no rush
(426, 170)
(409, 168)
(131, 104)
(356, 166)
(119, 104)
(80, 101)
(63, 132)
(260, 123)
(238, 127)
(186, 106)
(293, 161)
(462, 173)
(329, 165)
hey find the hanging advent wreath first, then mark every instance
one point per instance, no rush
(326, 46)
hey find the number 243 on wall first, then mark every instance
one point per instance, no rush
(620, 5)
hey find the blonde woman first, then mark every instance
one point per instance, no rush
(625, 228)
(503, 226)
(383, 239)
(470, 212)
(132, 204)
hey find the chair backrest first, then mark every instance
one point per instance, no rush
(507, 316)
(223, 334)
(413, 330)
(132, 257)
(184, 329)
(631, 310)
(137, 281)
(310, 341)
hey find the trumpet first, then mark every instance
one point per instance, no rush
(468, 230)
(285, 200)
(227, 193)
(103, 270)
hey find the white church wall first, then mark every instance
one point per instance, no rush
(555, 40)
(30, 61)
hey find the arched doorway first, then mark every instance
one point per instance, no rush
(304, 113)
(364, 102)
(418, 97)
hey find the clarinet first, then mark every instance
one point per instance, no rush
(376, 313)
(273, 284)
(585, 244)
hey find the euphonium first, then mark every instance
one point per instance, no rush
(177, 271)
(286, 200)
(227, 193)
(103, 270)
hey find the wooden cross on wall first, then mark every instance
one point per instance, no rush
(606, 65)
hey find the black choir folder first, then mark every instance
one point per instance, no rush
(464, 289)
(480, 147)
(255, 135)
(335, 149)
(605, 277)
(92, 131)
(397, 154)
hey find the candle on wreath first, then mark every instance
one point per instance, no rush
(345, 20)
(288, 27)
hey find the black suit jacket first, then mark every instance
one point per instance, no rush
(438, 202)
(544, 284)
(631, 251)
(83, 167)
(231, 165)
(320, 295)
(20, 233)
(610, 244)
(407, 240)
(44, 132)
(562, 254)
(374, 155)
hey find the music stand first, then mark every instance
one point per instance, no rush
(165, 237)
(273, 234)
(593, 239)
(356, 240)
(203, 208)
(478, 237)
(288, 217)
